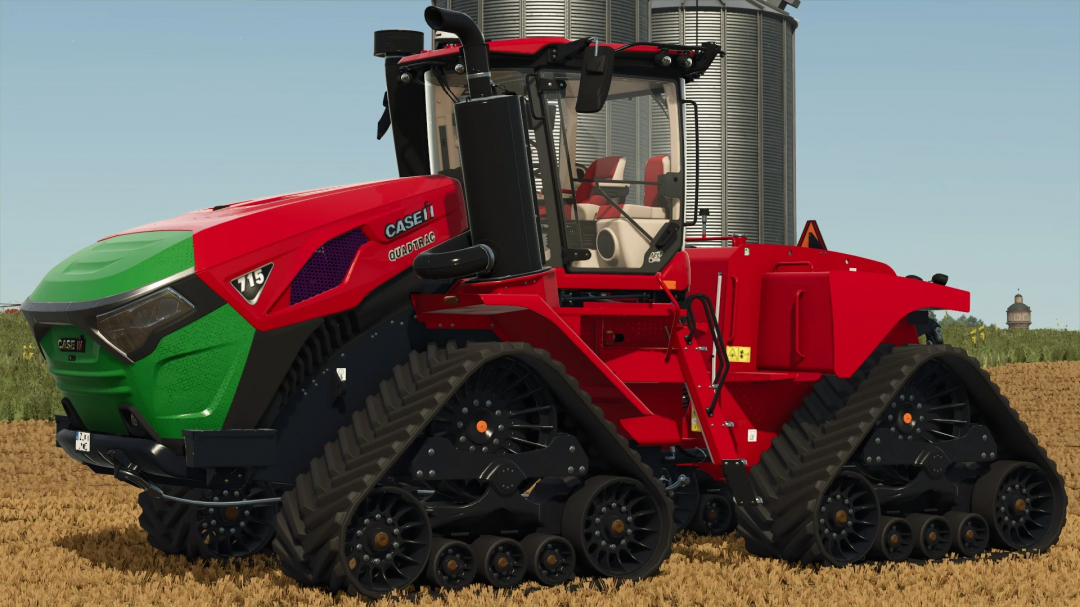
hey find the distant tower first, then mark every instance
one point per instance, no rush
(1019, 314)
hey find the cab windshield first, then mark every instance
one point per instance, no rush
(619, 169)
(607, 183)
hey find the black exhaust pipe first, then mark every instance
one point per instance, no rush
(473, 48)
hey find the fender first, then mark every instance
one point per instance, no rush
(529, 318)
(829, 322)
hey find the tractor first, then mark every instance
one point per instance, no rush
(525, 357)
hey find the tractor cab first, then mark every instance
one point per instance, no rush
(603, 136)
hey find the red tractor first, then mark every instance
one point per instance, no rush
(516, 360)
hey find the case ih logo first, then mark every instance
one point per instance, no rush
(71, 344)
(408, 222)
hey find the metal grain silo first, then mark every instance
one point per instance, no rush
(746, 110)
(610, 20)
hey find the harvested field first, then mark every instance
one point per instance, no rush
(68, 536)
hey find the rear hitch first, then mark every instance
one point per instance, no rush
(128, 472)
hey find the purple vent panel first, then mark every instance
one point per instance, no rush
(326, 267)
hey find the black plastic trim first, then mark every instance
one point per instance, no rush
(150, 456)
(230, 448)
(271, 354)
(144, 429)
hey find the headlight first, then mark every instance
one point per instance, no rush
(129, 327)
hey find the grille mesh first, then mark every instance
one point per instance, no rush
(326, 267)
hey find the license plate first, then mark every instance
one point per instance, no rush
(82, 442)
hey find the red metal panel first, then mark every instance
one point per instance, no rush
(286, 230)
(798, 332)
(529, 319)
(653, 430)
(866, 308)
(830, 321)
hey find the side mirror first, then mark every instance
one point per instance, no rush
(595, 79)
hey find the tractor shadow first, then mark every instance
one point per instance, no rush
(126, 550)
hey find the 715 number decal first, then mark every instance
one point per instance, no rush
(250, 285)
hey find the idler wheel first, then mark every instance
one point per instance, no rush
(452, 564)
(971, 533)
(501, 561)
(933, 535)
(614, 525)
(233, 531)
(847, 519)
(549, 559)
(1019, 504)
(894, 541)
(386, 542)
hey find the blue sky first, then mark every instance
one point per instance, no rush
(933, 136)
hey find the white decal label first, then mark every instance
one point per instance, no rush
(341, 373)
(82, 442)
(656, 256)
(412, 246)
(751, 435)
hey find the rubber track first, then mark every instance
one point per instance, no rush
(168, 524)
(308, 524)
(833, 422)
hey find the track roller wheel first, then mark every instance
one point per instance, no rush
(613, 524)
(386, 543)
(971, 533)
(894, 541)
(1018, 501)
(549, 559)
(933, 535)
(848, 518)
(452, 564)
(501, 560)
(684, 498)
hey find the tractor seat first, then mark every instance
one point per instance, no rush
(652, 206)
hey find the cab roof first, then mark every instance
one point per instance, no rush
(521, 46)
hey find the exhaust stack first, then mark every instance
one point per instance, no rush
(473, 50)
(500, 196)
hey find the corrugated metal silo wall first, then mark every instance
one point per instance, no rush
(610, 20)
(746, 109)
(622, 126)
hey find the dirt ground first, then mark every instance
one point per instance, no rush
(68, 536)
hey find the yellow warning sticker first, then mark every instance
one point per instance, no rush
(738, 354)
(695, 425)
